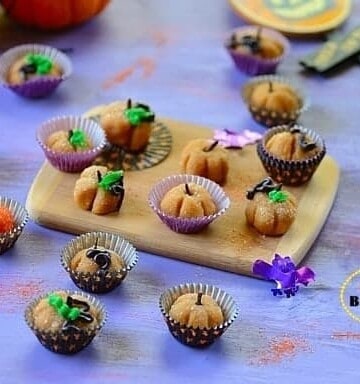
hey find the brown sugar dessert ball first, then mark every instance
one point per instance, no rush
(256, 44)
(68, 141)
(32, 66)
(59, 312)
(197, 310)
(292, 145)
(129, 128)
(270, 210)
(188, 201)
(99, 190)
(96, 259)
(205, 158)
(275, 96)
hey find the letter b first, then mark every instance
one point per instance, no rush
(354, 301)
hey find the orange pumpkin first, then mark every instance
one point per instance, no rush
(50, 14)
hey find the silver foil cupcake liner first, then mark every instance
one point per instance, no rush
(197, 337)
(73, 340)
(21, 217)
(101, 281)
(267, 117)
(252, 65)
(74, 161)
(187, 225)
(39, 87)
(291, 172)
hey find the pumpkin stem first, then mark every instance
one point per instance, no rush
(128, 104)
(211, 147)
(71, 132)
(258, 34)
(99, 176)
(187, 189)
(199, 296)
(96, 242)
(271, 88)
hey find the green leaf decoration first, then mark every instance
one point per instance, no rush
(77, 138)
(64, 310)
(278, 196)
(138, 114)
(42, 63)
(110, 178)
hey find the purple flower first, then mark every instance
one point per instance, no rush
(283, 271)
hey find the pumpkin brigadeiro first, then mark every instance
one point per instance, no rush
(292, 145)
(7, 221)
(99, 190)
(32, 66)
(205, 158)
(129, 128)
(68, 141)
(197, 310)
(270, 210)
(188, 201)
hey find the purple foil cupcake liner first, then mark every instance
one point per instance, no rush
(41, 86)
(74, 161)
(103, 281)
(252, 65)
(187, 225)
(73, 340)
(21, 217)
(267, 117)
(291, 172)
(197, 337)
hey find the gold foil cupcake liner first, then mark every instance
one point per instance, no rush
(20, 216)
(71, 341)
(267, 117)
(101, 281)
(196, 337)
(187, 225)
(291, 172)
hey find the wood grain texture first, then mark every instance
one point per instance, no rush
(229, 242)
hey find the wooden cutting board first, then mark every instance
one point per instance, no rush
(227, 244)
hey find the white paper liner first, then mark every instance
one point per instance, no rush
(187, 225)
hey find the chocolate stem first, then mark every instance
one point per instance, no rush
(211, 147)
(199, 296)
(187, 189)
(71, 132)
(258, 34)
(99, 176)
(96, 243)
(128, 104)
(271, 88)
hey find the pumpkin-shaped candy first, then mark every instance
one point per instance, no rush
(129, 128)
(68, 141)
(205, 158)
(276, 97)
(292, 145)
(270, 210)
(99, 190)
(188, 201)
(197, 310)
(50, 14)
(32, 66)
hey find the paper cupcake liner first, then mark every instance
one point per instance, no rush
(187, 225)
(252, 65)
(102, 282)
(41, 86)
(71, 341)
(196, 337)
(75, 161)
(291, 172)
(271, 118)
(21, 217)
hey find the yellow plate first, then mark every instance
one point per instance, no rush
(295, 17)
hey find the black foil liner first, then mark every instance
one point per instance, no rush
(196, 337)
(269, 118)
(291, 172)
(71, 341)
(101, 281)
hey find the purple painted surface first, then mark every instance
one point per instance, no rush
(172, 57)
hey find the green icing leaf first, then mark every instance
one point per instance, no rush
(278, 196)
(42, 63)
(138, 114)
(77, 138)
(110, 178)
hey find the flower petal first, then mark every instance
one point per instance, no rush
(304, 275)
